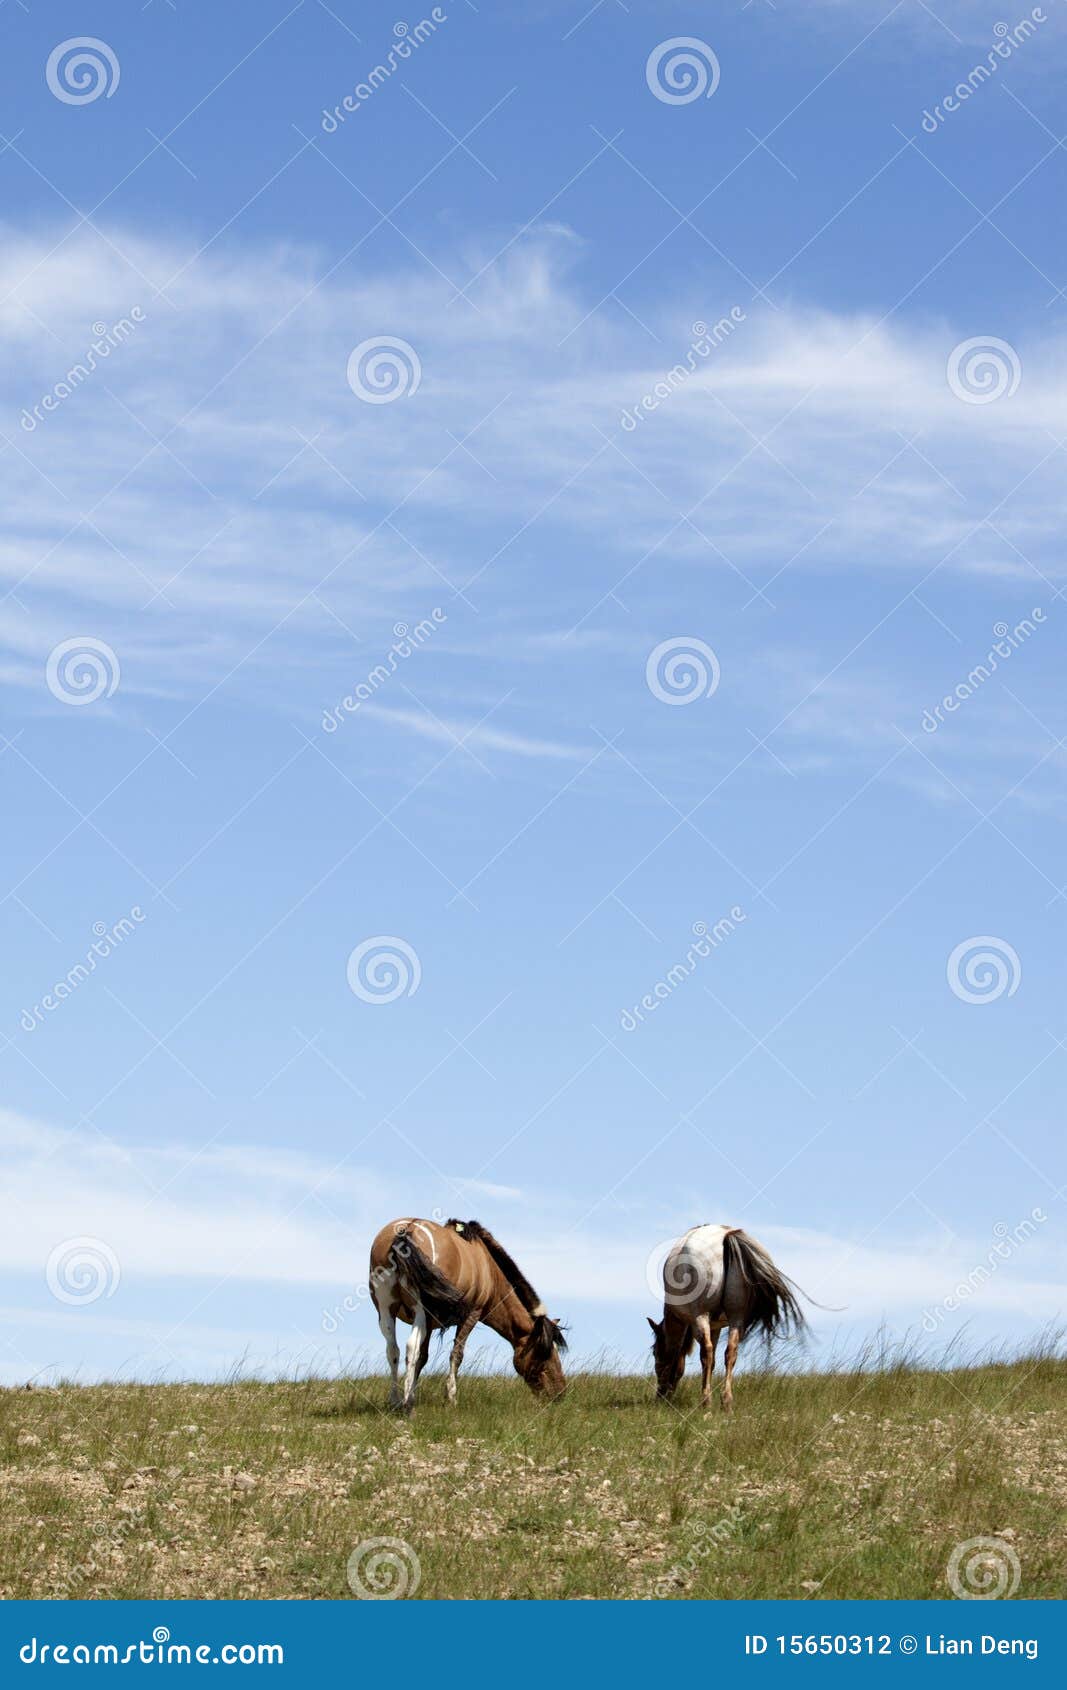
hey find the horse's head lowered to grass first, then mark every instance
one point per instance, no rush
(536, 1352)
(536, 1357)
(670, 1349)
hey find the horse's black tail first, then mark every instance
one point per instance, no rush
(425, 1284)
(773, 1305)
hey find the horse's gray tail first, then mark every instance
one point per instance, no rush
(772, 1298)
(425, 1284)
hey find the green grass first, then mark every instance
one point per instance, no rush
(850, 1484)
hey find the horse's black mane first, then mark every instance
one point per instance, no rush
(478, 1234)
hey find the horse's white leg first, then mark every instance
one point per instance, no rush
(462, 1334)
(732, 1343)
(423, 1356)
(414, 1351)
(708, 1337)
(387, 1326)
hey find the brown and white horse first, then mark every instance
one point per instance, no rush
(718, 1277)
(435, 1277)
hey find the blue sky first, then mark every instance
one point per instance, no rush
(838, 493)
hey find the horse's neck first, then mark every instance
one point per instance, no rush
(506, 1313)
(677, 1327)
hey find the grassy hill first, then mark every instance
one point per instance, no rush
(831, 1485)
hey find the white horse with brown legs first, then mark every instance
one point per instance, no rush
(717, 1278)
(435, 1277)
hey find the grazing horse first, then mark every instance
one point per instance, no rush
(716, 1277)
(436, 1277)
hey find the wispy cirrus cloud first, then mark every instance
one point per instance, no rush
(265, 375)
(476, 735)
(215, 499)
